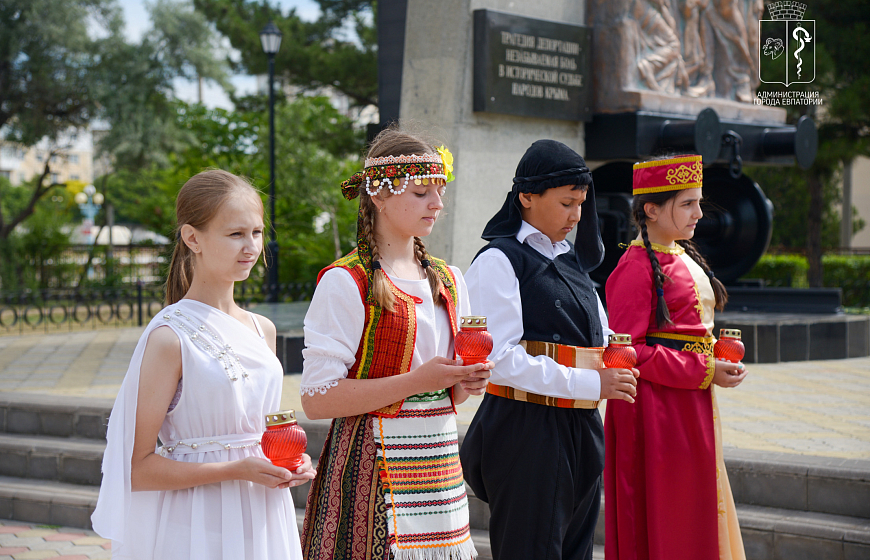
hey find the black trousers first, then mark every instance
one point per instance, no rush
(539, 468)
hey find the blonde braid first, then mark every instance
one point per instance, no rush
(380, 284)
(434, 279)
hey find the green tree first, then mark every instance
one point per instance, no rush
(313, 54)
(787, 189)
(54, 76)
(46, 55)
(316, 147)
(46, 60)
(29, 257)
(187, 43)
(134, 88)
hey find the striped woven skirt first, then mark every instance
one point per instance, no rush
(418, 458)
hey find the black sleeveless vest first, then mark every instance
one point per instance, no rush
(559, 302)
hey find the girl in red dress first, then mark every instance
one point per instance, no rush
(666, 490)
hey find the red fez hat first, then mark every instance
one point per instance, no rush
(672, 174)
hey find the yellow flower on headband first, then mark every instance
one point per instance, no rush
(447, 161)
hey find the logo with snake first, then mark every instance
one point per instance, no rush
(786, 33)
(802, 36)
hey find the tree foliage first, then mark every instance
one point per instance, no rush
(187, 43)
(24, 257)
(316, 148)
(57, 73)
(46, 56)
(46, 61)
(312, 54)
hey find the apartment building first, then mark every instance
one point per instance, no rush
(70, 158)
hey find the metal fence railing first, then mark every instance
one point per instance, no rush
(71, 309)
(57, 310)
(247, 293)
(87, 264)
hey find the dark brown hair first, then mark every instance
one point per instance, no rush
(393, 141)
(198, 202)
(663, 316)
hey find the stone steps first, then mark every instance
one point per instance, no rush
(800, 482)
(72, 460)
(49, 415)
(778, 533)
(768, 533)
(789, 506)
(47, 501)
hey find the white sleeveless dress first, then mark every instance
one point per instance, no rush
(231, 380)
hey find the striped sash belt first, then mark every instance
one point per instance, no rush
(571, 356)
(684, 342)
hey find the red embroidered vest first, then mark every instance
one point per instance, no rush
(387, 343)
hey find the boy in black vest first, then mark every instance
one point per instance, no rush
(535, 449)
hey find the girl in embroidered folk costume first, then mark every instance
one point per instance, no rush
(379, 360)
(666, 489)
(202, 378)
(535, 449)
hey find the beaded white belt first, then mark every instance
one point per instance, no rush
(213, 443)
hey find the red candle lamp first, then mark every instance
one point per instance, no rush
(729, 347)
(619, 352)
(473, 343)
(284, 441)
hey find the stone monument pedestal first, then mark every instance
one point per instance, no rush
(437, 93)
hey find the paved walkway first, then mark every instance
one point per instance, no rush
(22, 541)
(814, 408)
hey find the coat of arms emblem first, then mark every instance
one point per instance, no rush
(787, 49)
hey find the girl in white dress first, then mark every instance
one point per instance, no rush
(379, 360)
(202, 379)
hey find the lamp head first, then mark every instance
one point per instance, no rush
(270, 38)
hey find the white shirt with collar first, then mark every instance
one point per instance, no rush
(494, 291)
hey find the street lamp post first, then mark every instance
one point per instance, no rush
(89, 202)
(270, 37)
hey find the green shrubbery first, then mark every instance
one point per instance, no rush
(849, 272)
(852, 274)
(781, 271)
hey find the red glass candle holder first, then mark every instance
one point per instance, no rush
(284, 441)
(473, 343)
(729, 347)
(619, 352)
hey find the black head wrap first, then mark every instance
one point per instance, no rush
(545, 165)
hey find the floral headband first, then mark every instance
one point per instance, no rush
(394, 172)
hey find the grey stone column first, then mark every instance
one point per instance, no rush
(437, 95)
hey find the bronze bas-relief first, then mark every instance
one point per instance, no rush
(680, 48)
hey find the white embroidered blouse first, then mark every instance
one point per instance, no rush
(336, 317)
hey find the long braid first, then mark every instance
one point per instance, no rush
(718, 288)
(380, 284)
(434, 280)
(663, 315)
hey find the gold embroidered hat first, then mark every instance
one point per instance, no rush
(672, 174)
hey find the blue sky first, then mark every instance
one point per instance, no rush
(137, 23)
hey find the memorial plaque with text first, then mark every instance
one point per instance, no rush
(531, 67)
